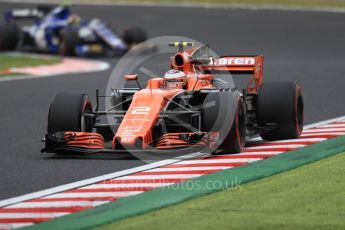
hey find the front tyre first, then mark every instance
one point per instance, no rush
(280, 110)
(224, 113)
(234, 141)
(65, 113)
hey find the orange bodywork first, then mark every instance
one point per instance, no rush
(142, 116)
(145, 108)
(84, 140)
(173, 140)
(190, 70)
(143, 113)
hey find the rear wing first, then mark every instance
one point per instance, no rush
(240, 65)
(33, 13)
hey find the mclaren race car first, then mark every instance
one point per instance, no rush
(192, 105)
(57, 30)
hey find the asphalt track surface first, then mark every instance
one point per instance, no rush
(307, 47)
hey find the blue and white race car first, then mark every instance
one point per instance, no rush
(58, 31)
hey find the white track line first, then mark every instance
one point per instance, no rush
(244, 153)
(212, 161)
(81, 183)
(32, 215)
(188, 169)
(290, 146)
(57, 204)
(299, 140)
(324, 122)
(333, 126)
(115, 175)
(12, 226)
(314, 130)
(322, 134)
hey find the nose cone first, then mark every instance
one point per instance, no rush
(128, 142)
(135, 128)
(137, 125)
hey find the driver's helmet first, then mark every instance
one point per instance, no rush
(175, 79)
(73, 19)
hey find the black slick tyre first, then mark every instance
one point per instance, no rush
(8, 36)
(134, 36)
(68, 41)
(234, 141)
(280, 110)
(223, 112)
(65, 113)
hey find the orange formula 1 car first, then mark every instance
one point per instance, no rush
(193, 105)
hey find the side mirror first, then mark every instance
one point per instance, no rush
(131, 77)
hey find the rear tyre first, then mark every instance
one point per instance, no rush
(69, 41)
(280, 106)
(134, 36)
(8, 37)
(223, 112)
(65, 113)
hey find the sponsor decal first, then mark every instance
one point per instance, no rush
(129, 132)
(225, 61)
(141, 110)
(138, 119)
(127, 138)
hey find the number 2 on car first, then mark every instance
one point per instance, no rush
(140, 110)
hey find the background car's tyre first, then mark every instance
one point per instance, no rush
(134, 36)
(8, 36)
(65, 113)
(223, 112)
(280, 104)
(69, 41)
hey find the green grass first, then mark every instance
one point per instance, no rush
(10, 60)
(301, 3)
(309, 197)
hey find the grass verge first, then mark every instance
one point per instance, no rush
(309, 197)
(11, 60)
